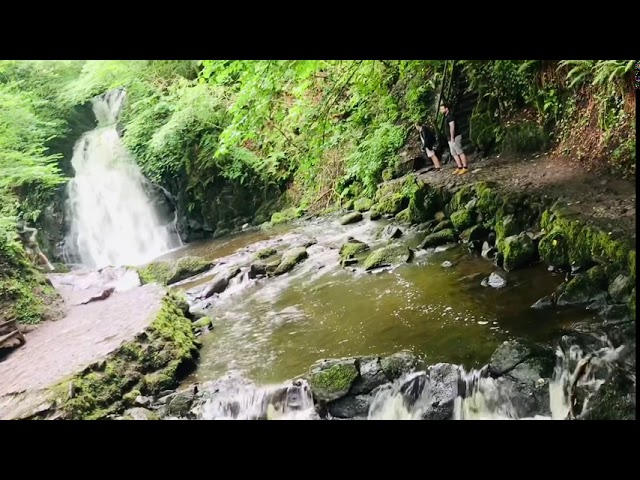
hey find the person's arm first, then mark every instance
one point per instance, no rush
(452, 130)
(32, 233)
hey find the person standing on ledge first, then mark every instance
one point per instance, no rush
(455, 140)
(428, 139)
(28, 237)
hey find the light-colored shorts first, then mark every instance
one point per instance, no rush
(456, 146)
(430, 153)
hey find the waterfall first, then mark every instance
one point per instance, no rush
(112, 217)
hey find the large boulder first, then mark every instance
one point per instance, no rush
(443, 379)
(172, 271)
(352, 217)
(537, 361)
(398, 364)
(443, 225)
(387, 256)
(371, 376)
(180, 403)
(139, 413)
(332, 379)
(439, 238)
(290, 259)
(519, 251)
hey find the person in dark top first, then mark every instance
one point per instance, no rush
(428, 139)
(455, 140)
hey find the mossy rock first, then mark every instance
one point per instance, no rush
(332, 380)
(439, 238)
(290, 259)
(519, 251)
(391, 203)
(462, 196)
(363, 204)
(404, 216)
(584, 288)
(387, 256)
(265, 253)
(462, 219)
(374, 214)
(286, 216)
(204, 322)
(554, 250)
(168, 272)
(396, 365)
(349, 218)
(352, 248)
(444, 225)
(508, 226)
(620, 288)
(440, 217)
(155, 361)
(348, 205)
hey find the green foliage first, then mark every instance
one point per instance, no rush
(524, 138)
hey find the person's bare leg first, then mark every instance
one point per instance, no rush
(434, 159)
(457, 159)
(463, 159)
(45, 261)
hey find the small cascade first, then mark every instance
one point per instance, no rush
(235, 399)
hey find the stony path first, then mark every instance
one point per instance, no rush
(599, 196)
(56, 350)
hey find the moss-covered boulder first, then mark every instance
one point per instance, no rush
(391, 203)
(172, 271)
(154, 361)
(352, 217)
(374, 214)
(332, 379)
(584, 288)
(443, 225)
(363, 204)
(439, 238)
(553, 250)
(506, 227)
(290, 259)
(462, 219)
(286, 216)
(265, 253)
(352, 248)
(518, 251)
(387, 256)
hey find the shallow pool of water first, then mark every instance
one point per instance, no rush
(274, 329)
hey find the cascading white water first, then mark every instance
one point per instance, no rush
(112, 218)
(235, 399)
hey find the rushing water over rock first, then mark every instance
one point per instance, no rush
(112, 217)
(235, 399)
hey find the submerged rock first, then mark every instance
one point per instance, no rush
(544, 302)
(488, 251)
(350, 218)
(290, 259)
(447, 264)
(265, 253)
(439, 238)
(518, 251)
(220, 282)
(387, 256)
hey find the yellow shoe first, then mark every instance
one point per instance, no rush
(463, 171)
(456, 171)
